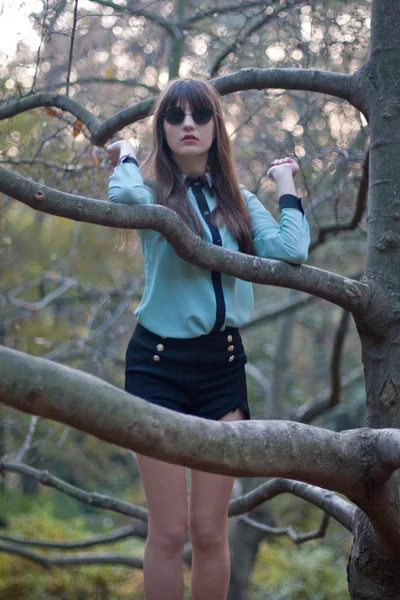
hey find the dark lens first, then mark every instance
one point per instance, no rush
(202, 115)
(174, 115)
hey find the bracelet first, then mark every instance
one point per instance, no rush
(127, 158)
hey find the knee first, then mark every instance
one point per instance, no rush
(207, 536)
(168, 538)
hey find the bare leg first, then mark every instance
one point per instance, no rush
(166, 495)
(208, 525)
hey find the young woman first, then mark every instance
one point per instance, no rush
(186, 353)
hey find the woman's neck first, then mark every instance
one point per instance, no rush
(191, 166)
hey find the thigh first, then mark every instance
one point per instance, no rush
(166, 494)
(210, 493)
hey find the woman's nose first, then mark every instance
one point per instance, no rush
(188, 121)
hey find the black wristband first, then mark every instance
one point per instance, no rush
(290, 201)
(128, 159)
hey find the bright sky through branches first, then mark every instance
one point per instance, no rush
(15, 25)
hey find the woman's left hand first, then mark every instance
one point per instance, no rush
(283, 166)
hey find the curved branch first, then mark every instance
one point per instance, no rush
(16, 106)
(150, 15)
(241, 448)
(351, 295)
(337, 508)
(93, 499)
(105, 558)
(220, 10)
(361, 204)
(335, 84)
(297, 538)
(321, 402)
(138, 529)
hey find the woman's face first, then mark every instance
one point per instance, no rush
(189, 139)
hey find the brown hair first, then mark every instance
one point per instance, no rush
(170, 186)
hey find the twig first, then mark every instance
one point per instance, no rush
(46, 561)
(71, 48)
(138, 528)
(93, 499)
(297, 538)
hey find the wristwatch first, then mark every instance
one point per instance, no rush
(127, 158)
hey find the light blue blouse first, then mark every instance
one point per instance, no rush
(179, 299)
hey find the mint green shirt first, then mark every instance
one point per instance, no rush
(179, 299)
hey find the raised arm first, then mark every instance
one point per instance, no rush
(289, 239)
(126, 183)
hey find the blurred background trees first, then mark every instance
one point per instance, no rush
(68, 293)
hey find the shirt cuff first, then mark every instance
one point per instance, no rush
(290, 201)
(128, 159)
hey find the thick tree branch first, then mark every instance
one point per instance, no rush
(336, 84)
(352, 295)
(15, 106)
(256, 448)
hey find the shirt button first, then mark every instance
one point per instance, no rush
(229, 338)
(231, 358)
(230, 348)
(156, 358)
(205, 213)
(160, 347)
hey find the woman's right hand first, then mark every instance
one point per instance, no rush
(118, 149)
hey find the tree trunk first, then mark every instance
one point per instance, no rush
(370, 575)
(374, 564)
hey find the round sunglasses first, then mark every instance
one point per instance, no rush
(175, 115)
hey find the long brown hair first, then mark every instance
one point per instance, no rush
(169, 183)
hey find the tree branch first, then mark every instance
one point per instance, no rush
(256, 448)
(280, 309)
(138, 529)
(68, 560)
(352, 295)
(361, 203)
(339, 509)
(297, 538)
(71, 48)
(93, 499)
(15, 106)
(336, 84)
(319, 404)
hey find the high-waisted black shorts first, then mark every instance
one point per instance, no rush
(202, 376)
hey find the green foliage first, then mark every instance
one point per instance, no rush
(22, 579)
(307, 572)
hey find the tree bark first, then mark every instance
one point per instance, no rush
(373, 571)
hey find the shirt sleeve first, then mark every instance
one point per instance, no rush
(287, 240)
(126, 185)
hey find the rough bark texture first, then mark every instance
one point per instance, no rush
(374, 566)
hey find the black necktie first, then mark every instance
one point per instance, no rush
(197, 186)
